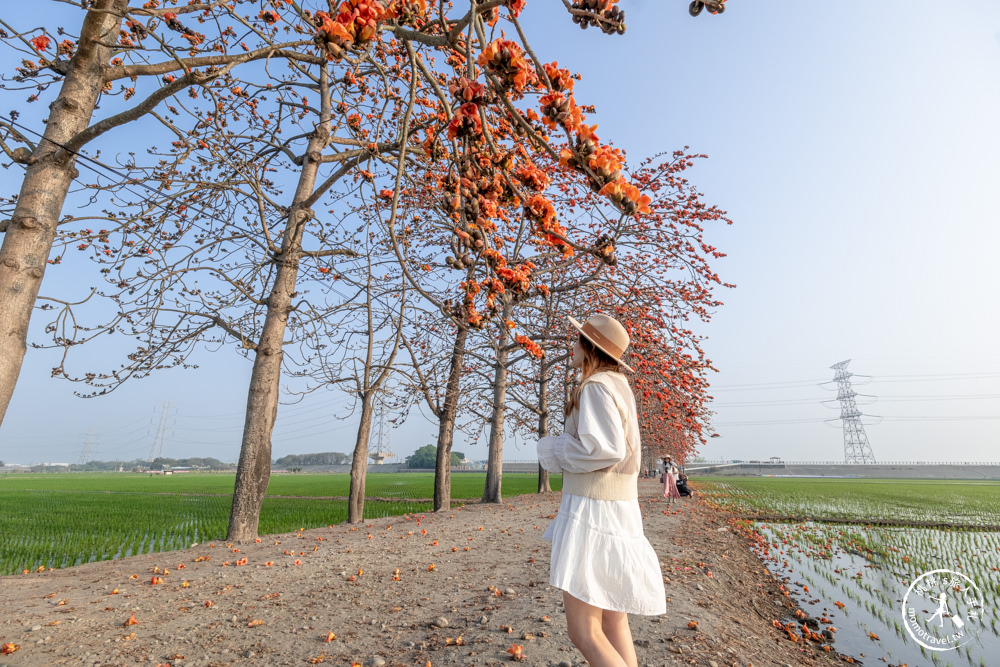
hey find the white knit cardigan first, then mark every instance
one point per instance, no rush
(599, 452)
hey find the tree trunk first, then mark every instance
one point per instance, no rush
(543, 421)
(446, 427)
(359, 464)
(254, 468)
(494, 461)
(32, 228)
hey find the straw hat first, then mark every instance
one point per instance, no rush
(607, 334)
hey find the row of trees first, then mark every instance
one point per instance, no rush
(394, 198)
(314, 459)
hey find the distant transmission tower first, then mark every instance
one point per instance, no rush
(382, 435)
(87, 449)
(161, 433)
(856, 447)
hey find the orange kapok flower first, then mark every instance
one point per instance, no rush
(9, 648)
(40, 43)
(330, 636)
(131, 621)
(517, 652)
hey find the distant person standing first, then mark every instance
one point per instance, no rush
(600, 557)
(670, 471)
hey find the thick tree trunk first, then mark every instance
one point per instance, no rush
(494, 460)
(254, 468)
(359, 464)
(32, 228)
(446, 427)
(543, 421)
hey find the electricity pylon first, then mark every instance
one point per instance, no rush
(166, 415)
(856, 447)
(382, 435)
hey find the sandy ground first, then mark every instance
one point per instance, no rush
(454, 588)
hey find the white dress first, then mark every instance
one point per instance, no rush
(599, 552)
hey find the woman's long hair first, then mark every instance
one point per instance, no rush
(595, 360)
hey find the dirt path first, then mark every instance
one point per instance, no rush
(458, 588)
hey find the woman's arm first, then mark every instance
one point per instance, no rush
(600, 440)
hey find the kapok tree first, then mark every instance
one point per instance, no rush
(658, 278)
(369, 335)
(132, 57)
(500, 146)
(236, 273)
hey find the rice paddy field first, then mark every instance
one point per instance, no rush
(61, 520)
(857, 555)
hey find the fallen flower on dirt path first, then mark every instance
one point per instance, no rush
(330, 636)
(516, 652)
(9, 648)
(131, 621)
(692, 625)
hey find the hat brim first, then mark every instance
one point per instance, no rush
(579, 328)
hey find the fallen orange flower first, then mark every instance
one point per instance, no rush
(692, 625)
(131, 621)
(516, 652)
(330, 636)
(9, 648)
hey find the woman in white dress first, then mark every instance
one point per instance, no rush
(600, 557)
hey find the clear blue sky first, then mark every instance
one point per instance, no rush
(854, 145)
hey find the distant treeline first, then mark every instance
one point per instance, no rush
(314, 459)
(160, 463)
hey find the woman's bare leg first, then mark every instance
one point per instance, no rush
(618, 632)
(585, 624)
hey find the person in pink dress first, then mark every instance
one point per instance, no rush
(670, 491)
